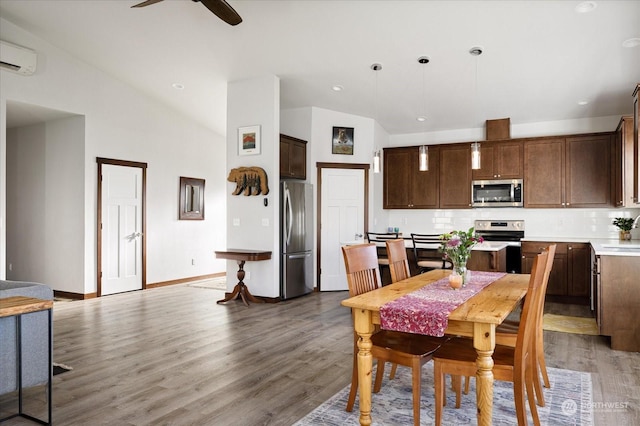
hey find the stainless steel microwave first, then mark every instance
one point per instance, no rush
(496, 193)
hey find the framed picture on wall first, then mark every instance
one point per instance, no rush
(249, 140)
(342, 141)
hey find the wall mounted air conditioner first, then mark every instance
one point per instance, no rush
(17, 59)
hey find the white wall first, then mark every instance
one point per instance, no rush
(123, 124)
(249, 103)
(45, 180)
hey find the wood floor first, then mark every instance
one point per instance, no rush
(171, 356)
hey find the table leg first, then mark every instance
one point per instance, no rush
(484, 340)
(241, 289)
(364, 328)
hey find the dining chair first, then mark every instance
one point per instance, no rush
(506, 334)
(407, 349)
(458, 356)
(426, 253)
(398, 261)
(380, 240)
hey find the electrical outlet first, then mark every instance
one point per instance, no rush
(11, 267)
(247, 276)
(265, 221)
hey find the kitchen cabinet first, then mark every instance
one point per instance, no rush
(500, 160)
(293, 158)
(636, 144)
(570, 277)
(455, 176)
(404, 185)
(617, 300)
(568, 172)
(622, 163)
(489, 261)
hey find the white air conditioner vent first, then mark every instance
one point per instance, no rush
(17, 59)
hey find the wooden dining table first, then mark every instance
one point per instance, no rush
(478, 318)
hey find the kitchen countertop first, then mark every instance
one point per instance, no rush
(601, 246)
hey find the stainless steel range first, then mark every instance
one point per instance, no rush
(507, 231)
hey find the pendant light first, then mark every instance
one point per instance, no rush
(423, 156)
(376, 153)
(475, 51)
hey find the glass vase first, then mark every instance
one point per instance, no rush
(460, 269)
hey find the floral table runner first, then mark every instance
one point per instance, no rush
(426, 310)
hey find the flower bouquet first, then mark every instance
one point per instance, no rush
(457, 246)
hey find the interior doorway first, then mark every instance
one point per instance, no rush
(121, 226)
(343, 202)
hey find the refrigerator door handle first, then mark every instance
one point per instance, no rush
(289, 215)
(299, 256)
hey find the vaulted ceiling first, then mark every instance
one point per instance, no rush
(540, 58)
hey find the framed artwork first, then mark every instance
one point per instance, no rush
(249, 140)
(191, 199)
(342, 141)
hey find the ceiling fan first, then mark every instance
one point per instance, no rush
(220, 7)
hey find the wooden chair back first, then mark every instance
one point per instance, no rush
(526, 331)
(361, 264)
(398, 262)
(426, 253)
(380, 240)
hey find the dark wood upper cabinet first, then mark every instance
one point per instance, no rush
(500, 160)
(404, 185)
(455, 176)
(568, 172)
(636, 144)
(293, 158)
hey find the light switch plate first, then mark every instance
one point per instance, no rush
(236, 221)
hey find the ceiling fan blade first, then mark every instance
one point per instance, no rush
(146, 3)
(222, 10)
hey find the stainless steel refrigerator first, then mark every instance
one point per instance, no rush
(296, 239)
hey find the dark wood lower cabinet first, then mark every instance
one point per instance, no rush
(570, 279)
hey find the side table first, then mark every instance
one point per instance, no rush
(242, 256)
(16, 307)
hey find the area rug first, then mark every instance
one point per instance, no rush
(568, 402)
(60, 368)
(218, 283)
(565, 324)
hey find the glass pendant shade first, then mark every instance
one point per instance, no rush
(424, 158)
(475, 156)
(376, 162)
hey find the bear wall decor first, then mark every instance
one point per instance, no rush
(250, 180)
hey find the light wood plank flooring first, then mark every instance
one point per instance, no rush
(171, 356)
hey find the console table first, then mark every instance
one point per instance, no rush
(16, 307)
(242, 256)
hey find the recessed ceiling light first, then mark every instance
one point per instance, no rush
(178, 86)
(631, 42)
(337, 88)
(421, 118)
(582, 103)
(475, 51)
(586, 6)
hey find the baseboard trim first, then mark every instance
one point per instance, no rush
(74, 296)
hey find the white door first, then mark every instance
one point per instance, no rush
(342, 212)
(121, 229)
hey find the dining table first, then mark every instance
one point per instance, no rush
(477, 318)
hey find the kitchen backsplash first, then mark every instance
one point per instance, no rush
(568, 223)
